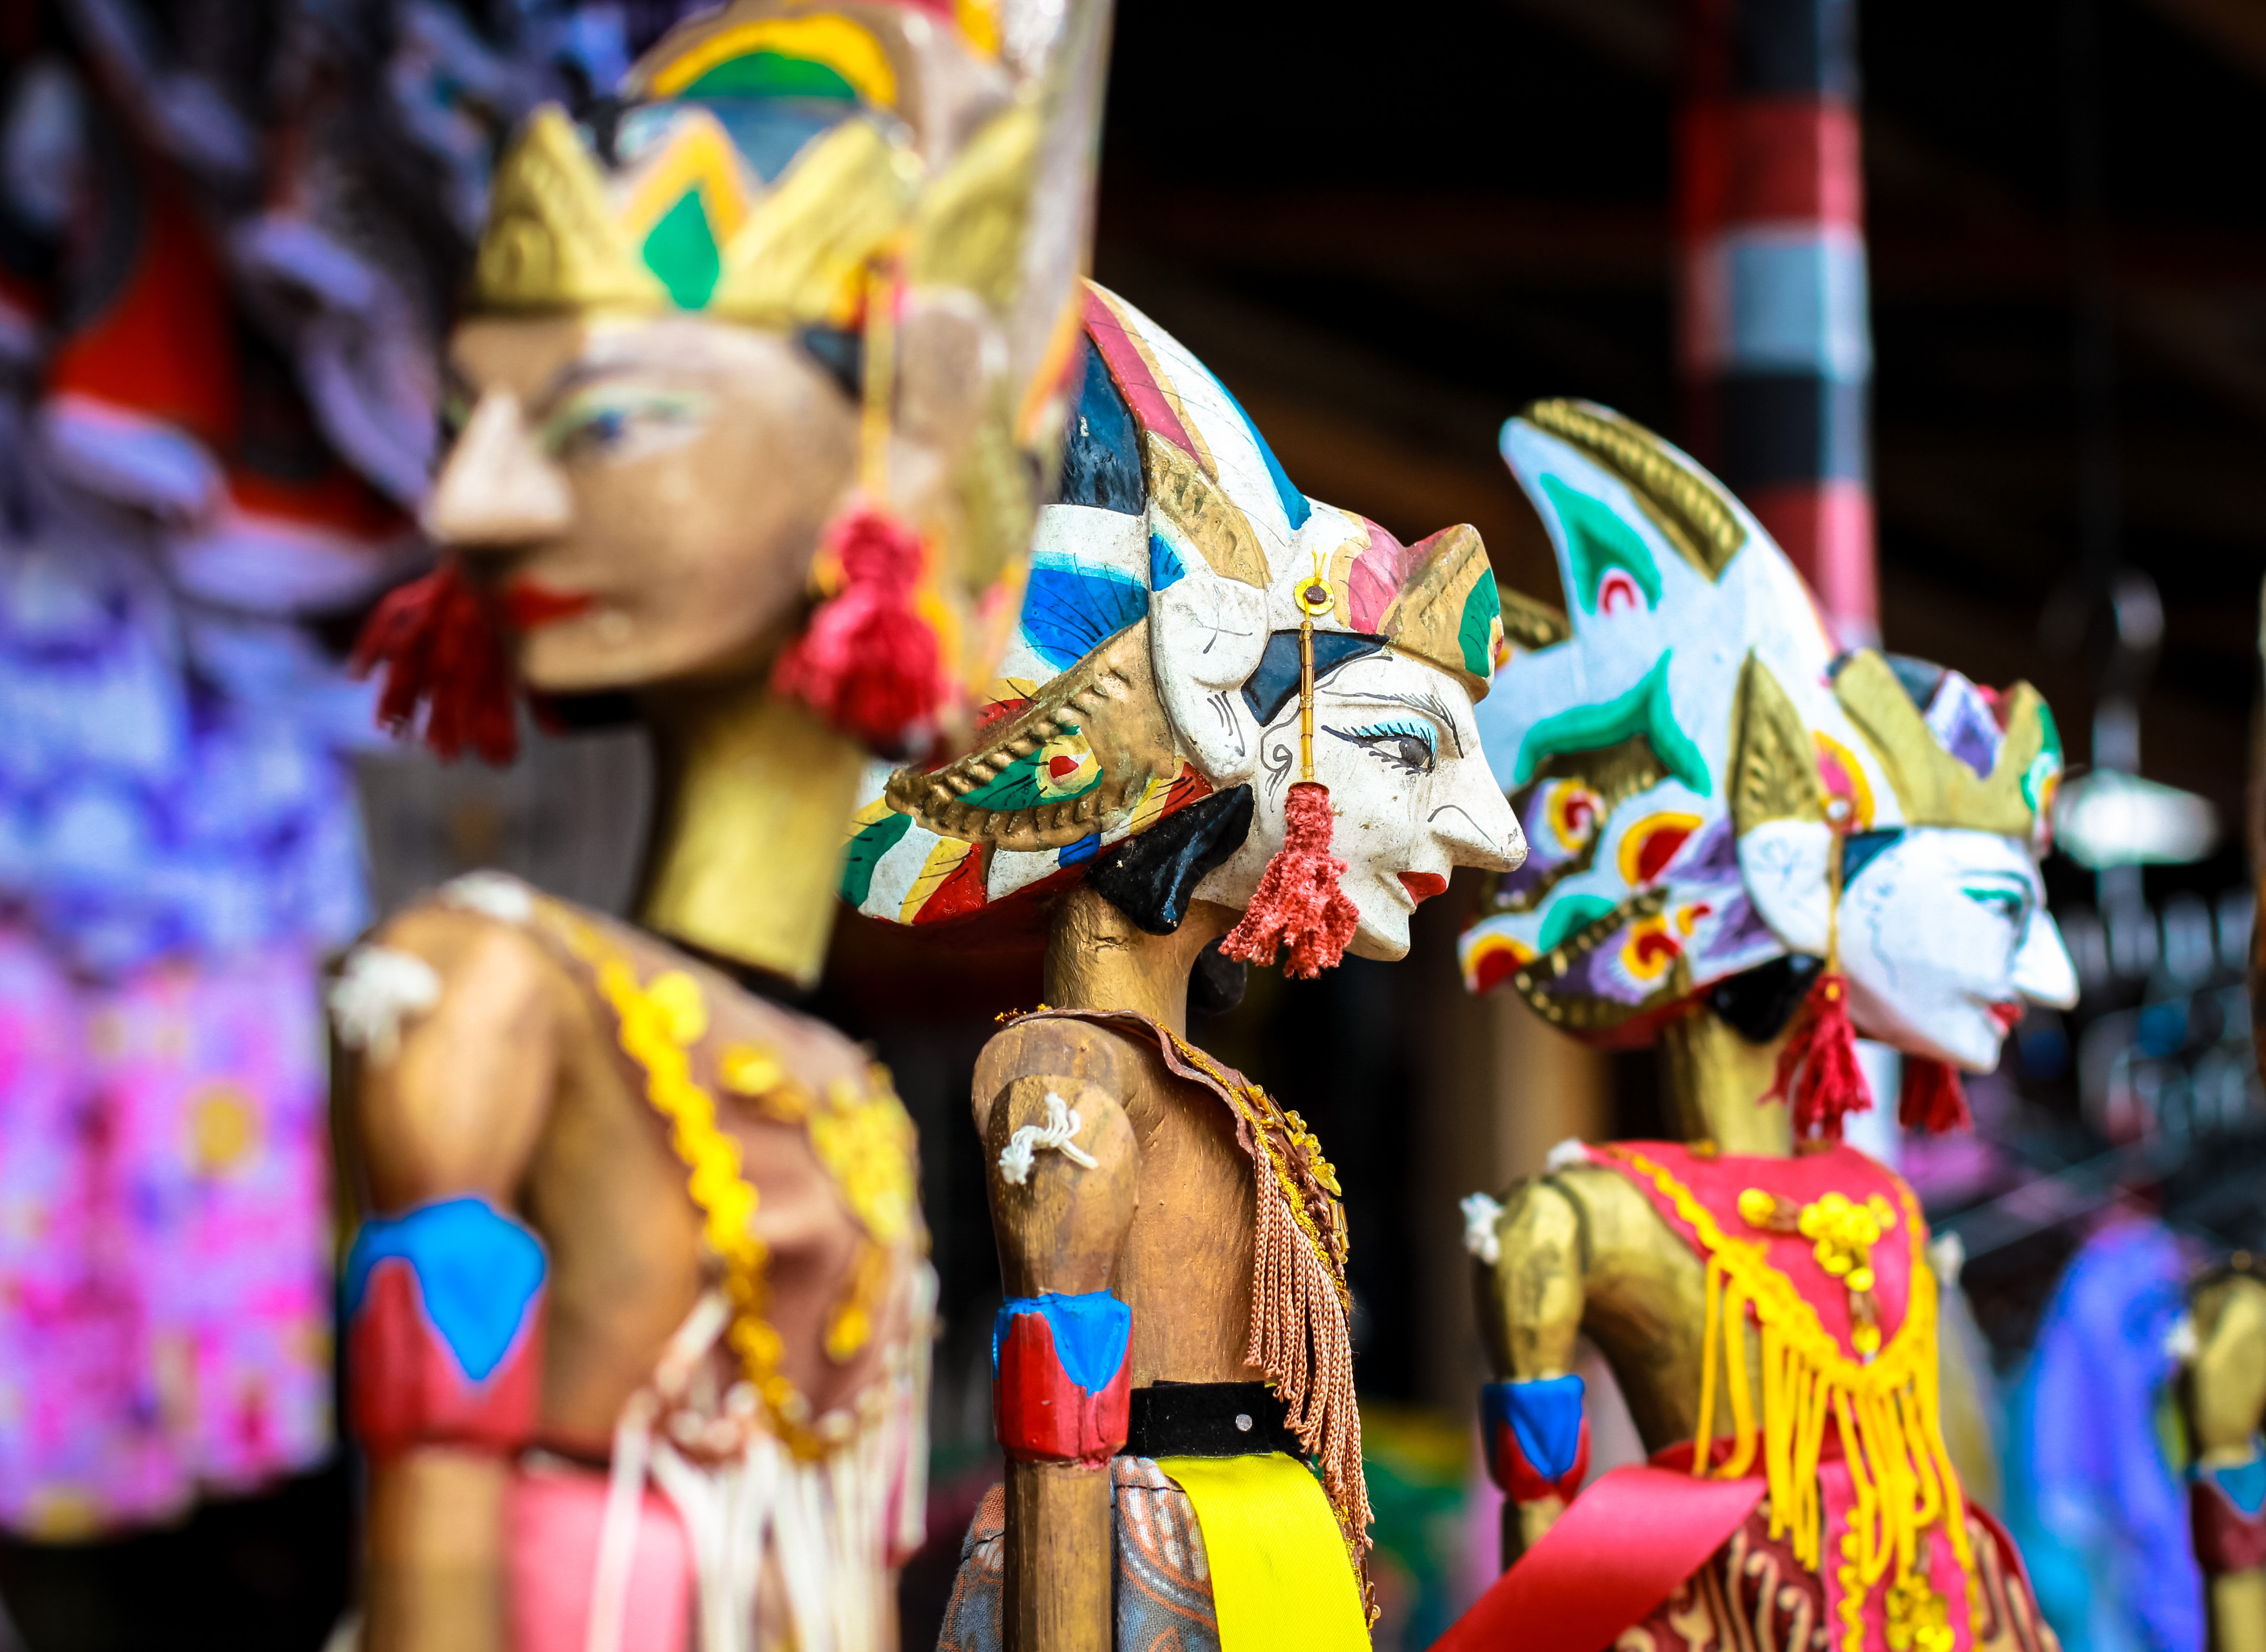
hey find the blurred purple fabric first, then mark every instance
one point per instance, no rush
(2092, 1494)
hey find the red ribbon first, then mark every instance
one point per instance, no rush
(1620, 1548)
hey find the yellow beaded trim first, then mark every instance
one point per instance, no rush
(866, 1142)
(1843, 1233)
(1885, 1410)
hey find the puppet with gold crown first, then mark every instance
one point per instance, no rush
(758, 367)
(1748, 850)
(2222, 1392)
(1228, 714)
(2222, 1395)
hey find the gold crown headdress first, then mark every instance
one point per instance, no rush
(1933, 786)
(684, 220)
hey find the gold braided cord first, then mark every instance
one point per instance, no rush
(1263, 1113)
(1312, 1373)
(1885, 1411)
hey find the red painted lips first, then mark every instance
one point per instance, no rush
(528, 606)
(2006, 1015)
(1423, 886)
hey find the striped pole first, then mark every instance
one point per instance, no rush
(1775, 336)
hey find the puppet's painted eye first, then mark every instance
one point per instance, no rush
(622, 421)
(2009, 902)
(1406, 744)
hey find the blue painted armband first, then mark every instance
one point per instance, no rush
(443, 1323)
(1063, 1389)
(1538, 1439)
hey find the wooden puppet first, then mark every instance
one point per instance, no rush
(1229, 713)
(2223, 1395)
(1747, 849)
(757, 367)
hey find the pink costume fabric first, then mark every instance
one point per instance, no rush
(164, 1287)
(551, 1523)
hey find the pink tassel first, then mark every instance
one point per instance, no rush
(1817, 1071)
(1931, 1098)
(1298, 904)
(867, 663)
(442, 654)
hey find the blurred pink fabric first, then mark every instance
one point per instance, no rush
(166, 1242)
(553, 1517)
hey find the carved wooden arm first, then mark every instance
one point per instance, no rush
(1530, 1306)
(446, 1115)
(1061, 1165)
(2226, 1407)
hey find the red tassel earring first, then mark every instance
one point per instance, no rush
(1818, 1073)
(867, 662)
(1931, 1098)
(438, 643)
(1298, 904)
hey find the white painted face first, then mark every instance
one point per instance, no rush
(1945, 938)
(1395, 742)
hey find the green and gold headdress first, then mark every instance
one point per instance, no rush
(1686, 704)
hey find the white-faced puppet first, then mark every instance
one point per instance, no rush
(1153, 732)
(1720, 804)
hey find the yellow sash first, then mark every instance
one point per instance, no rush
(1279, 1574)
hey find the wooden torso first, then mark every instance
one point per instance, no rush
(607, 1187)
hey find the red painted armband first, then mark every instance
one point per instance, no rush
(444, 1310)
(1538, 1439)
(1061, 1391)
(2226, 1507)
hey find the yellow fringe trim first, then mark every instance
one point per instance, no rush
(1885, 1411)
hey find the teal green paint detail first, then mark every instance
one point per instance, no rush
(2008, 902)
(1476, 630)
(867, 845)
(1596, 540)
(770, 74)
(2051, 731)
(2046, 765)
(1644, 710)
(681, 251)
(1570, 915)
(1018, 786)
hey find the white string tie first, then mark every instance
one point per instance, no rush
(1029, 1140)
(378, 990)
(496, 894)
(1567, 1155)
(1480, 1214)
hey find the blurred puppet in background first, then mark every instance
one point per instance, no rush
(1233, 721)
(1749, 850)
(2223, 1396)
(195, 474)
(761, 363)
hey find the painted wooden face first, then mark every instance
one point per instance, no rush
(1946, 941)
(643, 498)
(1395, 742)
